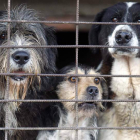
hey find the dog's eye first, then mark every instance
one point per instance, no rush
(96, 80)
(72, 79)
(3, 36)
(115, 19)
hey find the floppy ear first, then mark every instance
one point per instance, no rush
(50, 35)
(105, 91)
(93, 33)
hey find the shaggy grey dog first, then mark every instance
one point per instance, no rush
(25, 60)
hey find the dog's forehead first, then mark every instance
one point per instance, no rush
(117, 8)
(73, 71)
(130, 4)
(121, 9)
(20, 13)
(82, 71)
(134, 8)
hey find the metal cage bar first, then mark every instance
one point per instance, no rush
(8, 71)
(76, 49)
(71, 22)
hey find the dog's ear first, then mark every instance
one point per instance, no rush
(50, 35)
(105, 91)
(93, 33)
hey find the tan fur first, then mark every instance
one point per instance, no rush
(69, 89)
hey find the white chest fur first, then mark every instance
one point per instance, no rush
(69, 121)
(123, 114)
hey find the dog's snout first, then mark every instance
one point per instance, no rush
(92, 90)
(123, 37)
(21, 57)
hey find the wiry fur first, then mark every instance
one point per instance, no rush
(42, 60)
(120, 62)
(87, 117)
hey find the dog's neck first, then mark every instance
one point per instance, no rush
(69, 120)
(126, 88)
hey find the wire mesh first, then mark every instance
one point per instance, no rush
(77, 47)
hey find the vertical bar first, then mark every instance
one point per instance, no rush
(76, 87)
(8, 71)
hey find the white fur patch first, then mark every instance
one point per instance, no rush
(134, 41)
(123, 114)
(130, 4)
(99, 66)
(69, 121)
(121, 85)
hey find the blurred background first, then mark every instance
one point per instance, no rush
(65, 10)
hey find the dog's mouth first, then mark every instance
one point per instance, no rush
(18, 77)
(124, 50)
(87, 105)
(130, 52)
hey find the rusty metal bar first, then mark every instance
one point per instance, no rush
(69, 46)
(68, 75)
(71, 22)
(76, 72)
(69, 128)
(8, 71)
(63, 100)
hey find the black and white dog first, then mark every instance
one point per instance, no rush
(25, 60)
(89, 88)
(120, 61)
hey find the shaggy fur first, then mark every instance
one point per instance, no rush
(120, 61)
(36, 61)
(87, 112)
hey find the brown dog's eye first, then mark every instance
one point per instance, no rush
(72, 79)
(3, 36)
(115, 19)
(96, 80)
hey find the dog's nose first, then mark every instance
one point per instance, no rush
(21, 57)
(92, 90)
(123, 37)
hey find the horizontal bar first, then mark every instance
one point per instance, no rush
(70, 46)
(67, 75)
(70, 128)
(57, 100)
(70, 22)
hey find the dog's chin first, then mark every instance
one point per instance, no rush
(123, 52)
(87, 109)
(19, 77)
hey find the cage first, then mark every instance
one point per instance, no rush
(72, 21)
